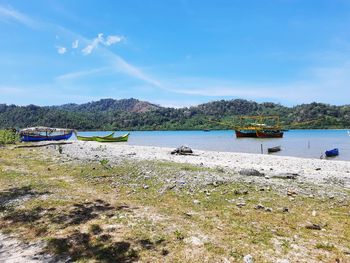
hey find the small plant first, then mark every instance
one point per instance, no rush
(325, 246)
(179, 235)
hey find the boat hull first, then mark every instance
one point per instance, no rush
(93, 138)
(274, 149)
(123, 138)
(245, 134)
(38, 138)
(269, 134)
(258, 134)
(332, 153)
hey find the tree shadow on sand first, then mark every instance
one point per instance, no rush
(79, 246)
(12, 195)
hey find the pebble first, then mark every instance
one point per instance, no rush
(248, 259)
(196, 202)
(145, 186)
(313, 213)
(268, 209)
(241, 204)
(259, 206)
(285, 209)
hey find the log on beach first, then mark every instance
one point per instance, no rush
(42, 144)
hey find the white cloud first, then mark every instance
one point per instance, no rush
(61, 50)
(112, 40)
(75, 44)
(101, 40)
(94, 44)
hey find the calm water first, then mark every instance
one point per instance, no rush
(300, 143)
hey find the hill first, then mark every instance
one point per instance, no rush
(132, 114)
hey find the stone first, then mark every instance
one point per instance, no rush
(313, 227)
(248, 259)
(285, 210)
(241, 204)
(268, 209)
(259, 207)
(145, 186)
(250, 172)
(318, 169)
(196, 202)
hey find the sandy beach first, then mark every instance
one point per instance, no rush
(320, 171)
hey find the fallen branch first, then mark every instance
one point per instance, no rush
(42, 145)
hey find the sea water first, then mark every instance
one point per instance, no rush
(298, 143)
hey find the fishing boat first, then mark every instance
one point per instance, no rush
(274, 149)
(332, 153)
(261, 127)
(123, 138)
(93, 138)
(35, 134)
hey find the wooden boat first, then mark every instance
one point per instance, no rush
(123, 138)
(274, 149)
(332, 153)
(36, 134)
(93, 138)
(258, 128)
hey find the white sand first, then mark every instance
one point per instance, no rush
(314, 170)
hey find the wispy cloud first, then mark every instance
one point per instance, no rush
(61, 50)
(10, 14)
(80, 74)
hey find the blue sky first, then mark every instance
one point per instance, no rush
(174, 52)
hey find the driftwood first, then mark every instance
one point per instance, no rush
(42, 145)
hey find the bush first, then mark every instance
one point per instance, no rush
(8, 137)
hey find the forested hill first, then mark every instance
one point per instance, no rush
(132, 114)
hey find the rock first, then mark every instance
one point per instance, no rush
(282, 261)
(268, 209)
(250, 172)
(241, 204)
(195, 241)
(196, 202)
(182, 150)
(248, 259)
(291, 192)
(145, 186)
(259, 207)
(318, 169)
(285, 176)
(285, 210)
(313, 226)
(314, 213)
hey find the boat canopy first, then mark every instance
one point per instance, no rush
(39, 129)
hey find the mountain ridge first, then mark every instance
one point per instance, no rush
(134, 114)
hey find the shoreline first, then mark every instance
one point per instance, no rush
(313, 170)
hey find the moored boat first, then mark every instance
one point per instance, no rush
(274, 149)
(258, 128)
(93, 138)
(332, 153)
(35, 134)
(123, 138)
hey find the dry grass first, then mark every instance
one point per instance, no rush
(99, 212)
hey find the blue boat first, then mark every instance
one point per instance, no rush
(332, 153)
(36, 134)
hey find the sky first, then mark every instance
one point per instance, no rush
(174, 53)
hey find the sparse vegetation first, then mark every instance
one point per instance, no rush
(90, 213)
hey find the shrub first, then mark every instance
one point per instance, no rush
(8, 137)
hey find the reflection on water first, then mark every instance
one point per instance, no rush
(300, 143)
